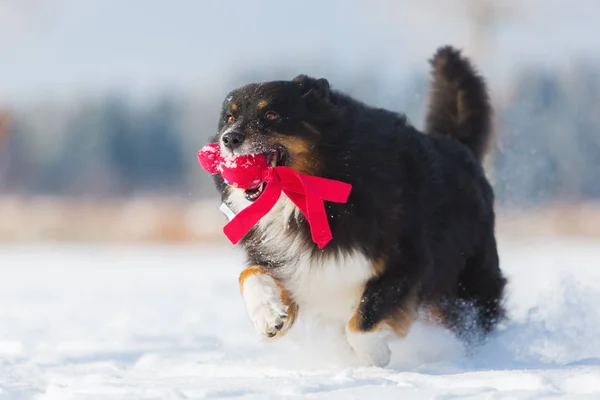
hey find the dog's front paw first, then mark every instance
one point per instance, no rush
(269, 318)
(264, 300)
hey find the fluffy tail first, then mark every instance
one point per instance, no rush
(459, 105)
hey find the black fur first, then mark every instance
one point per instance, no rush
(420, 203)
(459, 105)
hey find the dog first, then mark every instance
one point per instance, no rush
(416, 236)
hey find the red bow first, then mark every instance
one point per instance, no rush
(305, 191)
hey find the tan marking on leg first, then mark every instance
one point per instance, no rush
(378, 266)
(285, 297)
(353, 324)
(254, 270)
(292, 306)
(402, 320)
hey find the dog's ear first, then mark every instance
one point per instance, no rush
(312, 87)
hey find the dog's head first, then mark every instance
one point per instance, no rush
(279, 119)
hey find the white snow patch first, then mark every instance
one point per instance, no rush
(153, 322)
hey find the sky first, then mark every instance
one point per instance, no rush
(61, 47)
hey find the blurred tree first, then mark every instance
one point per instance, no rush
(526, 164)
(83, 167)
(20, 164)
(159, 164)
(4, 154)
(582, 87)
(548, 146)
(122, 144)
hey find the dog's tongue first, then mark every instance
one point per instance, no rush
(245, 172)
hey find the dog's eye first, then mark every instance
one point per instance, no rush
(271, 116)
(230, 119)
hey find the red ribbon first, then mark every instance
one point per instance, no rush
(305, 191)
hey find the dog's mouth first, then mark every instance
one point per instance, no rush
(276, 158)
(253, 194)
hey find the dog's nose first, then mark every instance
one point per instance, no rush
(233, 140)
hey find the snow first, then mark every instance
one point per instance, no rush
(168, 322)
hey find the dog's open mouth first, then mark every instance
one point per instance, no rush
(253, 194)
(276, 158)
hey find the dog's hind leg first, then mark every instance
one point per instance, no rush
(479, 304)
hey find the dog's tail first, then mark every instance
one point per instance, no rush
(459, 105)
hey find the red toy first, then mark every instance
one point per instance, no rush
(250, 171)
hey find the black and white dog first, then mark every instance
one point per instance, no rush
(417, 232)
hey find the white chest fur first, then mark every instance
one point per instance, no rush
(326, 286)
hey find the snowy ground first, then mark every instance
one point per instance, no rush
(82, 322)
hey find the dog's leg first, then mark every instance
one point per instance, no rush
(388, 301)
(269, 304)
(365, 330)
(370, 347)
